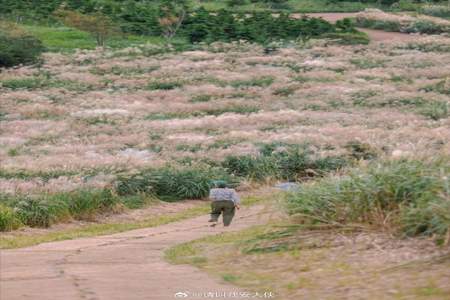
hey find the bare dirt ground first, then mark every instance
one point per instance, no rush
(121, 266)
(375, 35)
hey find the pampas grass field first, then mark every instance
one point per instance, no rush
(78, 119)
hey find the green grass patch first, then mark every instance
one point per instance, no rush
(201, 98)
(282, 161)
(409, 196)
(263, 81)
(23, 240)
(348, 38)
(43, 82)
(19, 241)
(66, 39)
(172, 184)
(164, 85)
(8, 219)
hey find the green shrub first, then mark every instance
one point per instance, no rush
(201, 98)
(85, 204)
(8, 219)
(254, 167)
(40, 212)
(436, 110)
(18, 49)
(170, 85)
(43, 211)
(348, 38)
(237, 109)
(424, 27)
(257, 27)
(28, 83)
(285, 91)
(287, 162)
(379, 24)
(408, 195)
(441, 11)
(170, 183)
(359, 150)
(442, 87)
(259, 82)
(43, 81)
(164, 116)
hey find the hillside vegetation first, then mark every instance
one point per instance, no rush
(122, 125)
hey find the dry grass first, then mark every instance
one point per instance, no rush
(91, 114)
(321, 264)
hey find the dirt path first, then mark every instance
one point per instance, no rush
(375, 35)
(122, 266)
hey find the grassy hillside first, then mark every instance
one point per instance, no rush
(57, 39)
(104, 124)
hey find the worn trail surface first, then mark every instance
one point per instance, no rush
(375, 35)
(121, 266)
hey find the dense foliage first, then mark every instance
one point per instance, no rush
(172, 184)
(287, 162)
(18, 48)
(410, 195)
(167, 17)
(257, 27)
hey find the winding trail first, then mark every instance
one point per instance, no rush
(125, 266)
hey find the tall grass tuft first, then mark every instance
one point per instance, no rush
(172, 183)
(8, 219)
(409, 196)
(41, 212)
(287, 162)
(85, 204)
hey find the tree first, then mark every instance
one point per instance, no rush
(172, 14)
(17, 47)
(97, 24)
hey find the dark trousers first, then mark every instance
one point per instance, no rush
(226, 208)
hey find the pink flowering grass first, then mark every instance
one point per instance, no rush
(102, 117)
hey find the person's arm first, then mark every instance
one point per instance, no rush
(236, 200)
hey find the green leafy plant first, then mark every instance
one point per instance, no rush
(8, 219)
(40, 212)
(170, 183)
(279, 161)
(410, 196)
(18, 47)
(170, 85)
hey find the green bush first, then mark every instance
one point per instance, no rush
(285, 91)
(441, 11)
(8, 219)
(28, 83)
(442, 87)
(258, 27)
(164, 85)
(278, 161)
(379, 24)
(436, 110)
(45, 210)
(41, 81)
(85, 204)
(254, 167)
(19, 50)
(40, 212)
(170, 183)
(409, 195)
(425, 27)
(348, 38)
(259, 82)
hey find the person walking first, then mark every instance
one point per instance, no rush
(224, 201)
